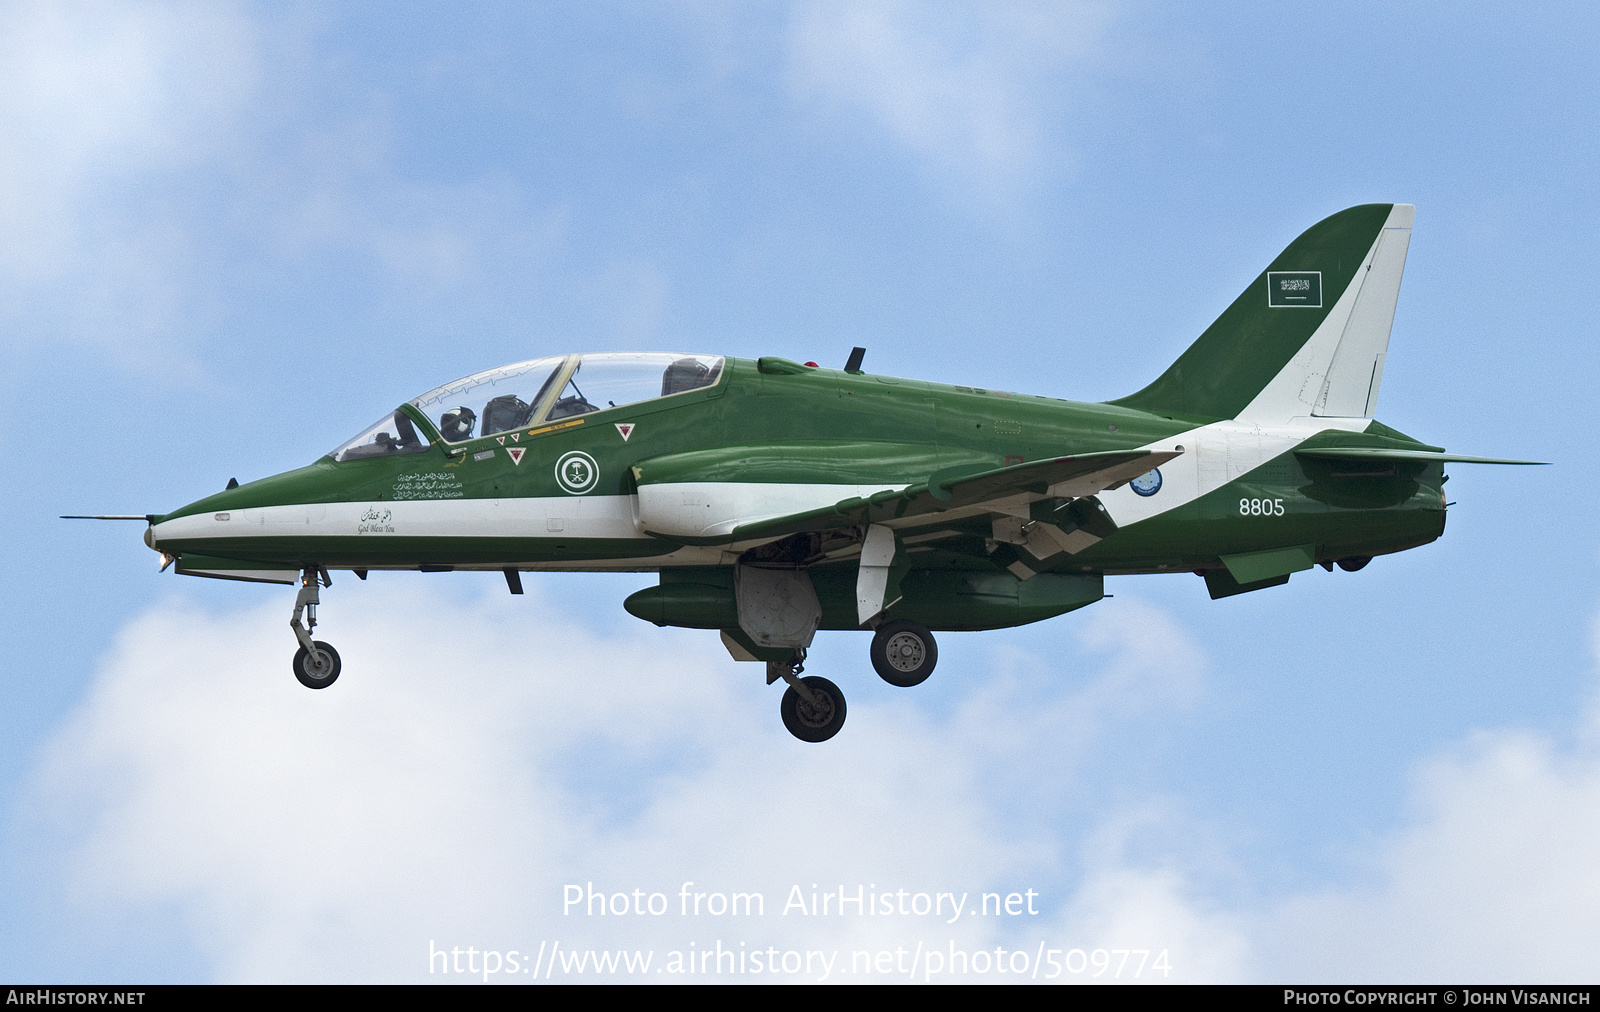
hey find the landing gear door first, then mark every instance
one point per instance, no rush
(777, 607)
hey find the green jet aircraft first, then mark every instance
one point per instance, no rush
(776, 498)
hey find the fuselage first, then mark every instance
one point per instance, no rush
(775, 499)
(662, 482)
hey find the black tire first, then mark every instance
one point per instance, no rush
(315, 676)
(1354, 563)
(904, 653)
(814, 723)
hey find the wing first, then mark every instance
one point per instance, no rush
(1005, 490)
(1020, 494)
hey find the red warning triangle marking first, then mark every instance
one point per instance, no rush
(516, 454)
(626, 428)
(516, 437)
(501, 440)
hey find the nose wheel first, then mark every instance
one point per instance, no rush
(316, 664)
(316, 670)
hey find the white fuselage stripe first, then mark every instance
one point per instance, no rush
(594, 516)
(709, 509)
(1212, 456)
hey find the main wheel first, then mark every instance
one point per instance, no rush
(814, 722)
(904, 653)
(320, 671)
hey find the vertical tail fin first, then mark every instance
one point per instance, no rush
(1308, 337)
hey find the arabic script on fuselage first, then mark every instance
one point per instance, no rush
(376, 521)
(432, 485)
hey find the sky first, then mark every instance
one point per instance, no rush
(232, 235)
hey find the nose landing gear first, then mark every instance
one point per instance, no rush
(316, 664)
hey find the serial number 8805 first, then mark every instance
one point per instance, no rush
(1261, 507)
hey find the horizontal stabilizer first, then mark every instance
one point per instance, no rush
(1414, 456)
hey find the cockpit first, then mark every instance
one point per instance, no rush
(528, 394)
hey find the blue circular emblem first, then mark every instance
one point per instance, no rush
(1148, 483)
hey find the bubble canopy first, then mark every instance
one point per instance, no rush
(526, 394)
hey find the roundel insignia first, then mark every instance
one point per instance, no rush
(577, 472)
(1147, 484)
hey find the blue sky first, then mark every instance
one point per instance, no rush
(234, 235)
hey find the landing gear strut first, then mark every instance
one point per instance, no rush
(316, 664)
(813, 708)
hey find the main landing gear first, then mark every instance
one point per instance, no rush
(813, 708)
(316, 664)
(903, 653)
(818, 717)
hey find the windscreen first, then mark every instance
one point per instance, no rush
(390, 435)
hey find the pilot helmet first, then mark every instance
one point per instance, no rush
(456, 424)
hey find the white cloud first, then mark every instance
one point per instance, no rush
(1146, 912)
(475, 758)
(151, 154)
(972, 89)
(92, 97)
(105, 110)
(1497, 879)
